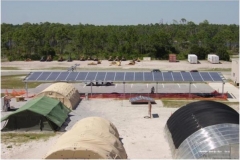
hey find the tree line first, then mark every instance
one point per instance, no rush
(33, 41)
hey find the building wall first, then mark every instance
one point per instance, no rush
(235, 71)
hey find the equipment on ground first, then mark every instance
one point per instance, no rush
(60, 59)
(49, 58)
(116, 63)
(110, 58)
(82, 58)
(132, 62)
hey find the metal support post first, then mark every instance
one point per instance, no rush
(223, 89)
(124, 88)
(157, 87)
(91, 89)
(26, 88)
(190, 89)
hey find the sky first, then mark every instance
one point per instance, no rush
(119, 12)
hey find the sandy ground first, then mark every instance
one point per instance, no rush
(30, 150)
(142, 138)
(147, 65)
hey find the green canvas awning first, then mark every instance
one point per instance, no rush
(50, 108)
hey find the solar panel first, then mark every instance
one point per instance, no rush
(34, 76)
(138, 76)
(206, 76)
(110, 76)
(125, 76)
(81, 76)
(62, 76)
(129, 76)
(196, 76)
(44, 76)
(158, 76)
(101, 76)
(119, 76)
(53, 76)
(186, 76)
(72, 76)
(167, 76)
(177, 76)
(148, 76)
(215, 76)
(91, 76)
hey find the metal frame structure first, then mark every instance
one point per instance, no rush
(123, 77)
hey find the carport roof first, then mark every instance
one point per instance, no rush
(167, 76)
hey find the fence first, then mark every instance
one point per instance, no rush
(200, 96)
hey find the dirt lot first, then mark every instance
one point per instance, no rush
(162, 65)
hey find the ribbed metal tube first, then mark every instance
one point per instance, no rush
(219, 141)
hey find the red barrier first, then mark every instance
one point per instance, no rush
(157, 96)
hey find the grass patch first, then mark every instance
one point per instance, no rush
(53, 68)
(15, 81)
(20, 138)
(214, 69)
(231, 103)
(175, 103)
(10, 68)
(179, 103)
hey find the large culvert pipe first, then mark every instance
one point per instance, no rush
(204, 129)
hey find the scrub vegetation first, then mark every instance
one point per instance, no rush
(20, 138)
(15, 82)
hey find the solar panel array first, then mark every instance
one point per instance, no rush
(124, 76)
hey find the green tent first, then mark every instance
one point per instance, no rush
(42, 113)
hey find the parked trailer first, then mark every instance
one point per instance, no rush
(192, 58)
(212, 58)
